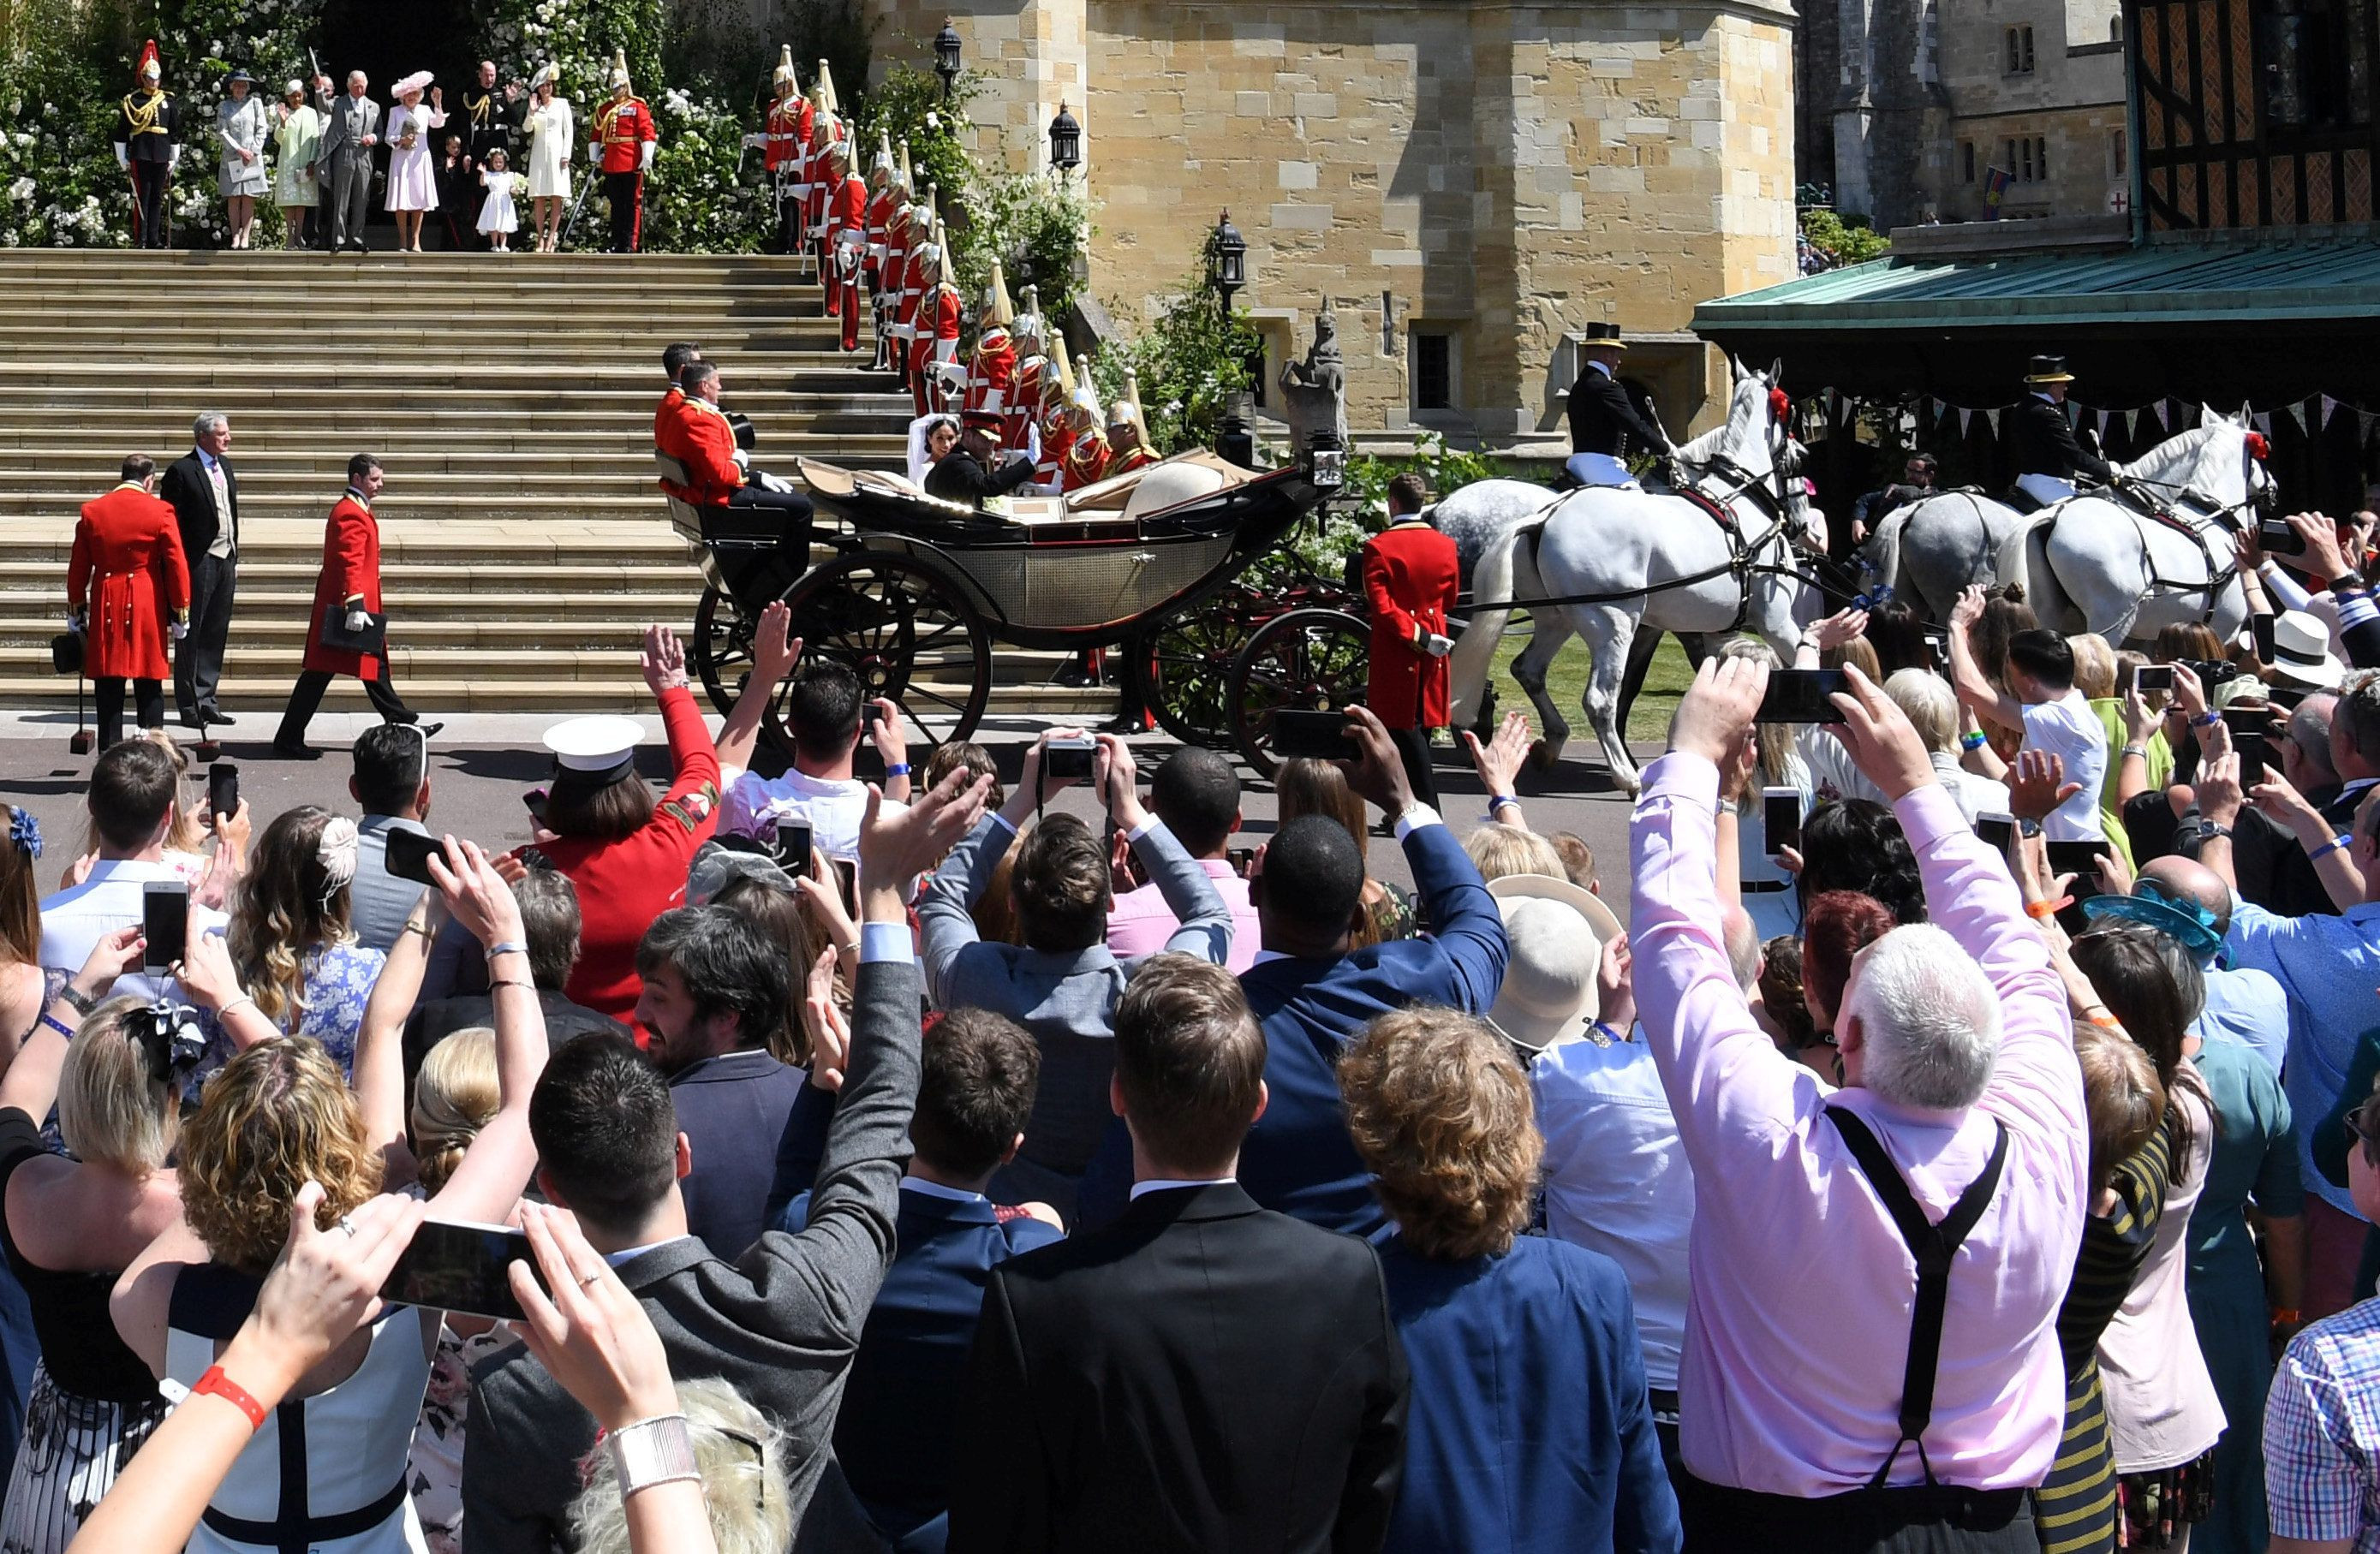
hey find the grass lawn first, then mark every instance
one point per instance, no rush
(1566, 684)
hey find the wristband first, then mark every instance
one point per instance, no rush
(2140, 750)
(2212, 718)
(2042, 910)
(74, 996)
(58, 1024)
(1974, 741)
(898, 769)
(2104, 1020)
(506, 947)
(1495, 801)
(214, 1383)
(2287, 1314)
(225, 1013)
(1611, 1036)
(2335, 844)
(655, 1451)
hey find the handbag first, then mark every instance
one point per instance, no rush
(66, 653)
(334, 634)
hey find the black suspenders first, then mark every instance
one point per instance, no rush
(1932, 1245)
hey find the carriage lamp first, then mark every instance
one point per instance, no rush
(946, 57)
(1326, 460)
(1065, 141)
(1227, 258)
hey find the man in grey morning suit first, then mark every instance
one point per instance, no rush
(347, 142)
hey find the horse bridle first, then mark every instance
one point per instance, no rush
(2221, 574)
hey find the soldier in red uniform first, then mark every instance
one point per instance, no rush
(699, 438)
(1087, 445)
(824, 129)
(991, 369)
(347, 599)
(934, 346)
(125, 579)
(1411, 580)
(892, 344)
(846, 241)
(781, 148)
(883, 197)
(914, 282)
(1128, 446)
(1052, 418)
(1032, 366)
(625, 141)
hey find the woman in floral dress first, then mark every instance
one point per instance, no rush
(290, 941)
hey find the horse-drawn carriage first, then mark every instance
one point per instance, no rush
(1185, 564)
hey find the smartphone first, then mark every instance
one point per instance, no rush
(2151, 677)
(164, 922)
(535, 800)
(794, 848)
(2265, 628)
(870, 714)
(2278, 538)
(2253, 719)
(223, 788)
(1242, 860)
(461, 1268)
(1307, 734)
(846, 882)
(1799, 696)
(409, 855)
(2250, 748)
(2079, 859)
(1996, 832)
(1069, 761)
(1781, 818)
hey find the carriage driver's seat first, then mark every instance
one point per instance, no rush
(729, 544)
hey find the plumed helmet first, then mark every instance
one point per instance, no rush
(1028, 329)
(150, 68)
(784, 77)
(826, 84)
(619, 75)
(998, 310)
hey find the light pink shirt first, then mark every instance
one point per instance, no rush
(1139, 922)
(1797, 1329)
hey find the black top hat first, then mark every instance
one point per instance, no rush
(2048, 369)
(1604, 336)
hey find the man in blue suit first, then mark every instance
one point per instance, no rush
(893, 1433)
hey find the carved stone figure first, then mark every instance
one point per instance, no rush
(1314, 392)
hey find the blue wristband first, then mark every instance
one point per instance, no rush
(898, 769)
(1973, 741)
(2335, 844)
(2212, 718)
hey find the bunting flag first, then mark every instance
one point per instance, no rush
(2297, 414)
(2157, 409)
(1966, 417)
(2328, 406)
(2104, 417)
(2073, 413)
(2263, 422)
(2132, 423)
(1994, 417)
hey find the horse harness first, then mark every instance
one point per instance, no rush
(2221, 574)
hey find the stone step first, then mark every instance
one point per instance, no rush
(627, 477)
(751, 341)
(538, 383)
(267, 463)
(533, 604)
(494, 540)
(260, 696)
(462, 429)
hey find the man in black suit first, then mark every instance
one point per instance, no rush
(967, 477)
(2041, 440)
(781, 1322)
(1605, 426)
(205, 497)
(1202, 1374)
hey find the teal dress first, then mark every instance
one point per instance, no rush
(2255, 1160)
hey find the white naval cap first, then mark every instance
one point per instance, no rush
(594, 746)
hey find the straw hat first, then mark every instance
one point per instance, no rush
(1556, 932)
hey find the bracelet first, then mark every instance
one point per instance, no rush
(2130, 750)
(1608, 1034)
(2209, 720)
(1495, 800)
(2287, 1314)
(225, 1013)
(214, 1383)
(897, 769)
(506, 947)
(427, 936)
(2102, 1019)
(495, 982)
(1974, 741)
(2335, 844)
(74, 995)
(655, 1451)
(2208, 831)
(58, 1024)
(2044, 910)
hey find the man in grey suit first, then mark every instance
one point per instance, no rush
(347, 142)
(783, 1322)
(1062, 983)
(205, 496)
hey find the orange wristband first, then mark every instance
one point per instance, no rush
(2043, 910)
(214, 1383)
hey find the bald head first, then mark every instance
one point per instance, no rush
(2188, 879)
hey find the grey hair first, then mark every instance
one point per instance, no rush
(1928, 1017)
(208, 419)
(1744, 950)
(2310, 731)
(1928, 702)
(741, 1457)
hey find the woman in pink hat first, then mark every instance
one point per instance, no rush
(412, 182)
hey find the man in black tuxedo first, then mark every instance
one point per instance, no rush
(1204, 1374)
(1604, 424)
(2041, 444)
(205, 497)
(966, 475)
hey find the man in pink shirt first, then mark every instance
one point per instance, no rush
(1197, 794)
(1831, 1397)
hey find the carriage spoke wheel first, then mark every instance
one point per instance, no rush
(1181, 666)
(1317, 658)
(722, 649)
(904, 629)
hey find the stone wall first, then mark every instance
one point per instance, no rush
(1503, 174)
(2072, 98)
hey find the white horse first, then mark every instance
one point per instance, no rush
(1930, 551)
(1630, 558)
(2103, 563)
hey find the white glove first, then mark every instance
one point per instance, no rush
(358, 620)
(743, 459)
(1438, 647)
(644, 157)
(178, 630)
(773, 483)
(595, 151)
(122, 160)
(755, 143)
(953, 376)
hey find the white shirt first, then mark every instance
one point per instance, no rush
(1167, 1184)
(2069, 730)
(833, 807)
(75, 920)
(1616, 1180)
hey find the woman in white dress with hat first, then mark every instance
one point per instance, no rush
(412, 182)
(548, 126)
(239, 124)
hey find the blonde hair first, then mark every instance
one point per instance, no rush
(2095, 666)
(1441, 1113)
(286, 906)
(1773, 741)
(113, 1110)
(453, 1098)
(1930, 705)
(1498, 850)
(275, 1118)
(1860, 652)
(182, 834)
(741, 1457)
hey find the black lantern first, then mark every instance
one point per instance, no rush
(1227, 258)
(946, 57)
(1065, 141)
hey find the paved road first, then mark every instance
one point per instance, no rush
(483, 764)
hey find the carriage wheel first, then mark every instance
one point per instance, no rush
(1317, 658)
(1181, 666)
(722, 649)
(904, 629)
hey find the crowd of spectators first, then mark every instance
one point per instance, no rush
(919, 1166)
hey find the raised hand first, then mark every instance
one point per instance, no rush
(664, 660)
(585, 1327)
(2037, 786)
(897, 845)
(1615, 983)
(114, 955)
(1841, 627)
(1970, 608)
(323, 1287)
(1717, 710)
(1376, 772)
(2218, 789)
(206, 973)
(477, 895)
(775, 649)
(1883, 743)
(829, 1027)
(1117, 781)
(1498, 761)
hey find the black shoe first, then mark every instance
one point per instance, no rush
(429, 731)
(191, 720)
(285, 751)
(217, 716)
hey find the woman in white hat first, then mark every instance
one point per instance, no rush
(239, 124)
(297, 144)
(412, 182)
(549, 129)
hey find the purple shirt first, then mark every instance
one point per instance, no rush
(1797, 1329)
(1139, 922)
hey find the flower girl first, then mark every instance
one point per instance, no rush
(497, 218)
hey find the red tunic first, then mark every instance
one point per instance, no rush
(991, 377)
(1125, 463)
(622, 128)
(1411, 579)
(623, 885)
(938, 318)
(1086, 458)
(129, 545)
(880, 230)
(1024, 400)
(782, 143)
(700, 439)
(667, 411)
(848, 212)
(1057, 437)
(349, 578)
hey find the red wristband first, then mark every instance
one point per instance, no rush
(215, 1383)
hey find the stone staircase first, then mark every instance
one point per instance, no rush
(510, 399)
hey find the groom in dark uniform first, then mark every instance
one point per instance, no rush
(2042, 439)
(1604, 424)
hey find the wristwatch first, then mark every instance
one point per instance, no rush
(2028, 828)
(83, 1004)
(2209, 830)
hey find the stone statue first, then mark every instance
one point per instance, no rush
(1314, 392)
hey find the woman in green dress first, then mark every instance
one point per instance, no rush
(296, 142)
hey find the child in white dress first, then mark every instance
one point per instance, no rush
(497, 216)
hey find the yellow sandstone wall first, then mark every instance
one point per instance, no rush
(1503, 173)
